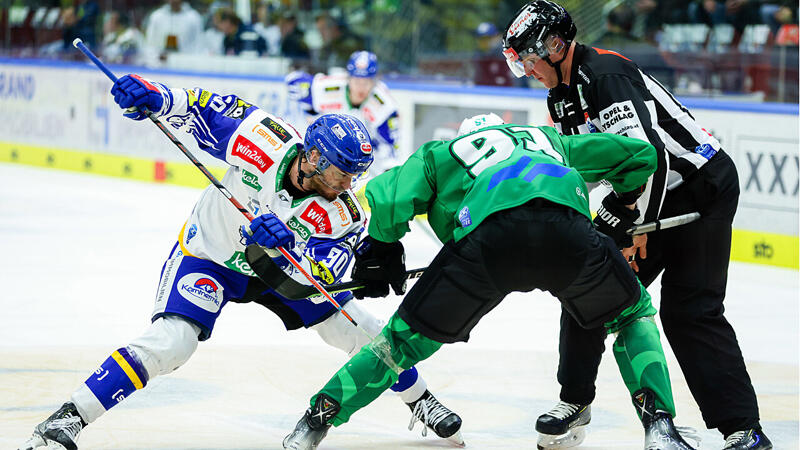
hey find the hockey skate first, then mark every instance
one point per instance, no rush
(445, 423)
(659, 431)
(748, 439)
(564, 426)
(313, 426)
(59, 431)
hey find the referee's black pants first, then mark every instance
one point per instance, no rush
(694, 259)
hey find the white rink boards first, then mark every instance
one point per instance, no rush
(79, 266)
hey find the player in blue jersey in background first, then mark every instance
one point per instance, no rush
(357, 93)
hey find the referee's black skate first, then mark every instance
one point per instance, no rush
(659, 431)
(564, 426)
(751, 439)
(313, 426)
(59, 431)
(445, 423)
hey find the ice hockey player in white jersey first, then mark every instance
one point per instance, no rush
(299, 191)
(358, 93)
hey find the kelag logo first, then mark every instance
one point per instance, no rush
(17, 86)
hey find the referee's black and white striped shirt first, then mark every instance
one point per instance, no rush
(609, 93)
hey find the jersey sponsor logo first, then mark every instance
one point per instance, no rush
(332, 88)
(251, 179)
(299, 228)
(589, 124)
(202, 290)
(204, 96)
(277, 128)
(559, 107)
(246, 150)
(330, 107)
(464, 217)
(239, 263)
(191, 233)
(319, 270)
(351, 205)
(619, 118)
(237, 111)
(317, 216)
(342, 214)
(267, 136)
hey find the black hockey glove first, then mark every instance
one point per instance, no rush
(378, 265)
(614, 219)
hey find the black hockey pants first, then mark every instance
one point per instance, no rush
(694, 258)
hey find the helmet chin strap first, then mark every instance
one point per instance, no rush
(303, 175)
(557, 65)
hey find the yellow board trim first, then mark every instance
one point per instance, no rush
(137, 383)
(766, 248)
(747, 246)
(131, 168)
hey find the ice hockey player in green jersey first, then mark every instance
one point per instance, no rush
(510, 204)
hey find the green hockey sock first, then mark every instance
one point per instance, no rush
(370, 371)
(641, 361)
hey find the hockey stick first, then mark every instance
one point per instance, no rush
(78, 43)
(291, 289)
(662, 224)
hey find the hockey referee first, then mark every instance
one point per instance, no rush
(596, 90)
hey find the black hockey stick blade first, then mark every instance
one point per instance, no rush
(286, 286)
(272, 275)
(662, 224)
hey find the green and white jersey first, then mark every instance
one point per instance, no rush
(460, 182)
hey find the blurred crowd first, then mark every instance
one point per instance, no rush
(681, 42)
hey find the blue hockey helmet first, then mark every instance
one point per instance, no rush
(362, 64)
(343, 141)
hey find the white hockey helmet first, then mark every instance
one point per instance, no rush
(477, 122)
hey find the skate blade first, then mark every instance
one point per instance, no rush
(36, 442)
(457, 440)
(571, 438)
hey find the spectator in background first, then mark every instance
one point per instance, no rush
(292, 44)
(240, 39)
(265, 26)
(338, 42)
(620, 17)
(490, 67)
(738, 13)
(80, 21)
(174, 27)
(121, 41)
(779, 13)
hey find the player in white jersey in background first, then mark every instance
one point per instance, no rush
(358, 93)
(299, 191)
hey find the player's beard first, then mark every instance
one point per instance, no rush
(323, 189)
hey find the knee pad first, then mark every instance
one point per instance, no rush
(339, 332)
(166, 345)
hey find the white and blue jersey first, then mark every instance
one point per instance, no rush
(208, 268)
(309, 96)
